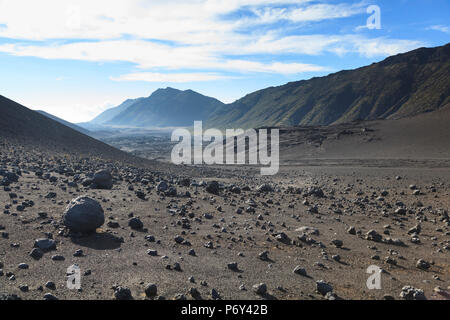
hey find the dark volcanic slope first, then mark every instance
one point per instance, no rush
(425, 136)
(167, 107)
(64, 122)
(109, 114)
(400, 86)
(22, 125)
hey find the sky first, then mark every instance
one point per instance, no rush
(75, 59)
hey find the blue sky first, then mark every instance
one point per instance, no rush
(75, 59)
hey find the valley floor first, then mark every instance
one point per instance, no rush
(229, 227)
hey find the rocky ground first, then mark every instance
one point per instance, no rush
(310, 232)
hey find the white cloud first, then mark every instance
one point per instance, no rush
(169, 77)
(445, 29)
(162, 36)
(152, 55)
(275, 67)
(103, 19)
(148, 55)
(316, 12)
(384, 47)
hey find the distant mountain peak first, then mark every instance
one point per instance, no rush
(167, 89)
(165, 107)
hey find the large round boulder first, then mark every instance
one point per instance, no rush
(103, 179)
(83, 214)
(162, 186)
(12, 176)
(135, 223)
(213, 187)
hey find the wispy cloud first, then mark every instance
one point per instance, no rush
(169, 77)
(148, 55)
(311, 13)
(102, 19)
(385, 47)
(204, 36)
(442, 28)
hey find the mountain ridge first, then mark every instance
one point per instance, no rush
(110, 113)
(164, 107)
(400, 86)
(66, 123)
